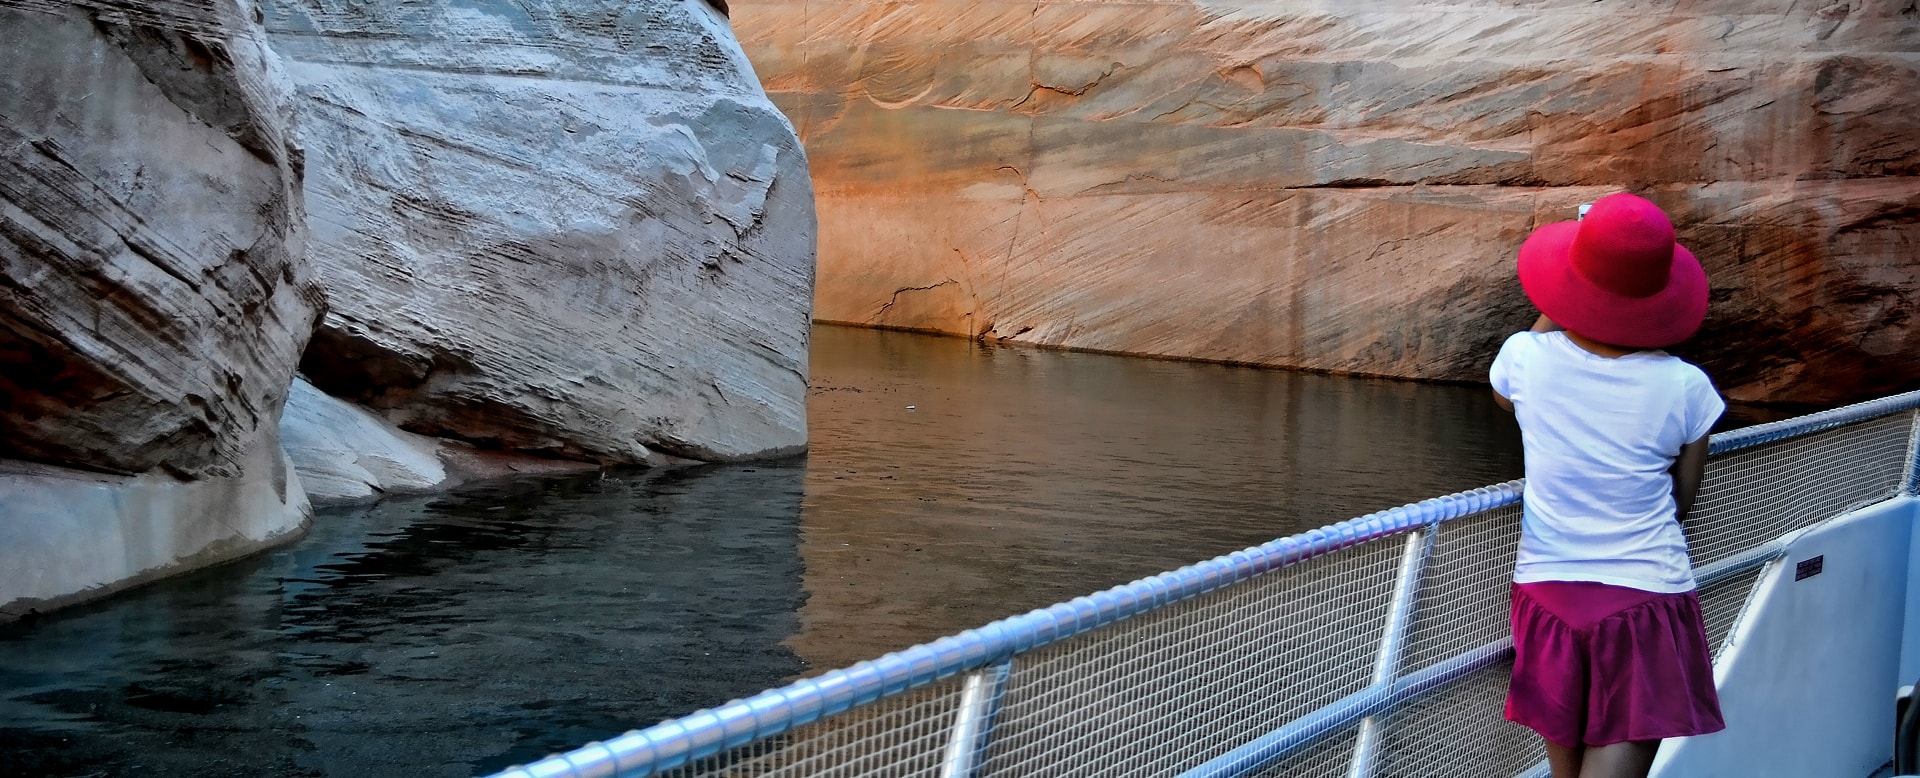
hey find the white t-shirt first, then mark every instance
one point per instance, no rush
(1600, 436)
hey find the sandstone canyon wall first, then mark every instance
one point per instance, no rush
(1342, 186)
(154, 298)
(507, 237)
(570, 228)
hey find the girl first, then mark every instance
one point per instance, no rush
(1609, 652)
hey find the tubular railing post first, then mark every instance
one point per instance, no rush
(1386, 665)
(973, 720)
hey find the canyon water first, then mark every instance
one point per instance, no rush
(949, 483)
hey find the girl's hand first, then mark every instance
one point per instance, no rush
(1544, 324)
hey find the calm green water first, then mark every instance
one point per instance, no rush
(460, 633)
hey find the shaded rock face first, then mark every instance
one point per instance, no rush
(1343, 187)
(346, 454)
(153, 299)
(571, 228)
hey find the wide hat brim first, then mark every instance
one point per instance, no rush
(1662, 319)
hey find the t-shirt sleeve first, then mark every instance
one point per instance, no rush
(1505, 364)
(1704, 405)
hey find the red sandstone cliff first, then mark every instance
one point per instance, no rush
(1342, 186)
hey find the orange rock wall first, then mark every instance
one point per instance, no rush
(1341, 186)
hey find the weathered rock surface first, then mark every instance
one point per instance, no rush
(571, 228)
(344, 453)
(153, 300)
(68, 535)
(1342, 186)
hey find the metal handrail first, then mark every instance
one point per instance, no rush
(678, 742)
(1748, 437)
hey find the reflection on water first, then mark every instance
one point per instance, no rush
(460, 633)
(426, 636)
(1021, 477)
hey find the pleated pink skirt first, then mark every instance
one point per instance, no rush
(1596, 664)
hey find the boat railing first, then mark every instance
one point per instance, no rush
(1377, 646)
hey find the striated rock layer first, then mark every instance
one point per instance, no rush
(1342, 187)
(570, 228)
(154, 299)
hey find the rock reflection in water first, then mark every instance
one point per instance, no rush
(425, 636)
(1021, 477)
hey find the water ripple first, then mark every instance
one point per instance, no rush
(455, 634)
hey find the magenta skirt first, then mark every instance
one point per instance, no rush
(1596, 664)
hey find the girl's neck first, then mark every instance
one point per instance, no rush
(1597, 348)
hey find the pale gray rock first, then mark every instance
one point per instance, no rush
(154, 299)
(153, 296)
(345, 454)
(72, 535)
(576, 229)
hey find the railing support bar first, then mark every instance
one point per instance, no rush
(973, 721)
(1708, 575)
(1302, 733)
(967, 723)
(1393, 640)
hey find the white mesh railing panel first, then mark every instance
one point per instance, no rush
(1161, 692)
(1464, 595)
(1755, 495)
(903, 736)
(1722, 602)
(1460, 731)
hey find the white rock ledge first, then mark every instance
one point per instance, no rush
(345, 454)
(68, 536)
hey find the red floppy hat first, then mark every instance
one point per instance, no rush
(1616, 276)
